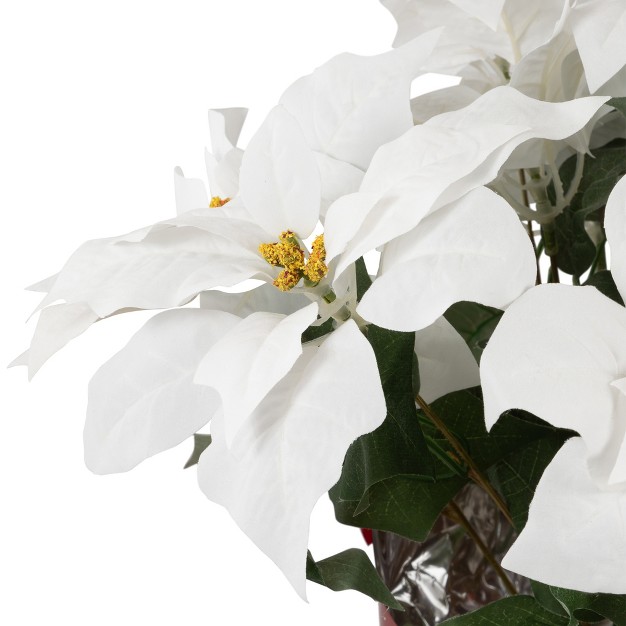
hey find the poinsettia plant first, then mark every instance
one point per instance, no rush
(456, 358)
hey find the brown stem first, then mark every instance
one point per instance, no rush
(475, 473)
(454, 512)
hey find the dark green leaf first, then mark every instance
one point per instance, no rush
(619, 104)
(518, 474)
(475, 323)
(588, 606)
(515, 611)
(398, 446)
(405, 505)
(603, 281)
(200, 444)
(363, 279)
(600, 175)
(350, 569)
(315, 332)
(544, 596)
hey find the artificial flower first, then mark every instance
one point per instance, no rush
(559, 352)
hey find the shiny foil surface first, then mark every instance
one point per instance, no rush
(447, 574)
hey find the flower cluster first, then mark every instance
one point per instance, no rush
(464, 191)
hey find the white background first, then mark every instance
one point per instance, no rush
(99, 101)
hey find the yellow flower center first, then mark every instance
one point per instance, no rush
(217, 202)
(288, 254)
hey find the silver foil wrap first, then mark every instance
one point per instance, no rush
(447, 574)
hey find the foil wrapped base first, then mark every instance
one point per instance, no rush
(447, 574)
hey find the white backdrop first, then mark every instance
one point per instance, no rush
(100, 100)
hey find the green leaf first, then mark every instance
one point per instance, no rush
(200, 444)
(315, 332)
(619, 104)
(589, 606)
(518, 474)
(398, 446)
(514, 611)
(351, 569)
(603, 281)
(475, 323)
(544, 596)
(408, 505)
(405, 505)
(601, 173)
(363, 279)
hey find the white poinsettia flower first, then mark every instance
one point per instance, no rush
(222, 165)
(559, 352)
(168, 264)
(292, 449)
(425, 190)
(553, 50)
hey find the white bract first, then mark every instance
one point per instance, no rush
(560, 353)
(423, 198)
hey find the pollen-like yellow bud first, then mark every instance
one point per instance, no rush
(288, 254)
(271, 253)
(315, 268)
(217, 202)
(287, 280)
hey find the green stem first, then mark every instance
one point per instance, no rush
(475, 473)
(454, 512)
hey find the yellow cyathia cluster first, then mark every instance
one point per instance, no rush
(217, 202)
(315, 268)
(288, 254)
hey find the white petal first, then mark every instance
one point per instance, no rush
(143, 400)
(338, 179)
(441, 160)
(441, 101)
(465, 39)
(352, 104)
(190, 192)
(223, 175)
(166, 268)
(57, 325)
(247, 362)
(445, 362)
(555, 353)
(264, 298)
(615, 226)
(293, 449)
(280, 182)
(225, 127)
(487, 11)
(450, 257)
(575, 536)
(43, 285)
(600, 29)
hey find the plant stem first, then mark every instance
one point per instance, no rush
(454, 512)
(475, 473)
